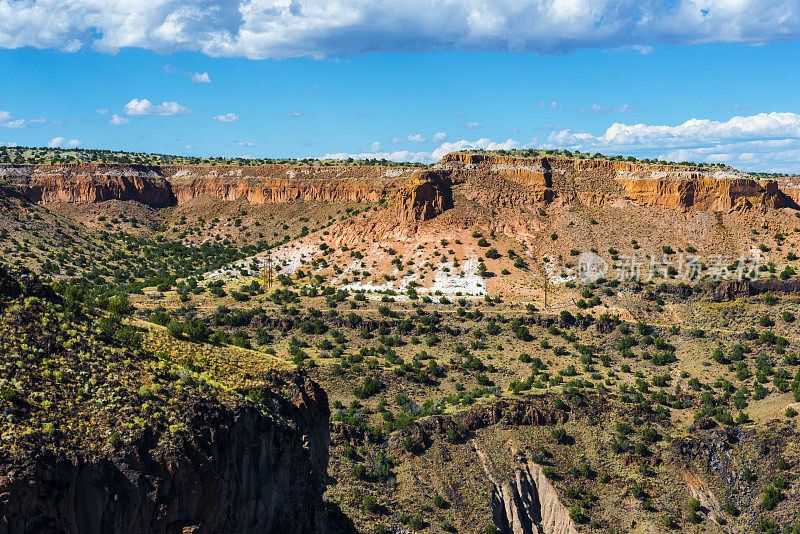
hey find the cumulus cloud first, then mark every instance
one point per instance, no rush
(199, 77)
(101, 111)
(63, 142)
(398, 155)
(484, 144)
(766, 141)
(145, 107)
(116, 120)
(228, 117)
(438, 137)
(416, 138)
(428, 157)
(19, 123)
(473, 125)
(262, 29)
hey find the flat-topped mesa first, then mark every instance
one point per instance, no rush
(599, 181)
(492, 181)
(90, 182)
(159, 186)
(266, 184)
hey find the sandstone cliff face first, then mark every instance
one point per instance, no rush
(596, 182)
(702, 193)
(159, 186)
(237, 471)
(90, 183)
(494, 182)
(423, 197)
(285, 183)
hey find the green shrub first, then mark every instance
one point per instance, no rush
(370, 503)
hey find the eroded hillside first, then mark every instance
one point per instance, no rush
(478, 380)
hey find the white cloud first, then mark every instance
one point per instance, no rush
(398, 155)
(429, 157)
(241, 143)
(473, 125)
(188, 147)
(101, 111)
(767, 141)
(374, 147)
(24, 123)
(116, 120)
(416, 138)
(63, 142)
(484, 144)
(73, 45)
(318, 28)
(145, 107)
(438, 137)
(199, 77)
(228, 117)
(551, 105)
(396, 140)
(597, 108)
(5, 115)
(298, 114)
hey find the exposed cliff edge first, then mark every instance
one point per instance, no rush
(159, 186)
(418, 195)
(595, 181)
(119, 439)
(236, 471)
(90, 183)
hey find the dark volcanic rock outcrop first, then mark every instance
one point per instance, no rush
(235, 470)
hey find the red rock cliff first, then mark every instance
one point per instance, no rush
(160, 186)
(90, 183)
(598, 181)
(285, 183)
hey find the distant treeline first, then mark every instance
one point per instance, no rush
(46, 155)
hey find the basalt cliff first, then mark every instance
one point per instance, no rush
(491, 181)
(109, 454)
(236, 470)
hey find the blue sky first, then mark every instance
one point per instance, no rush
(712, 81)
